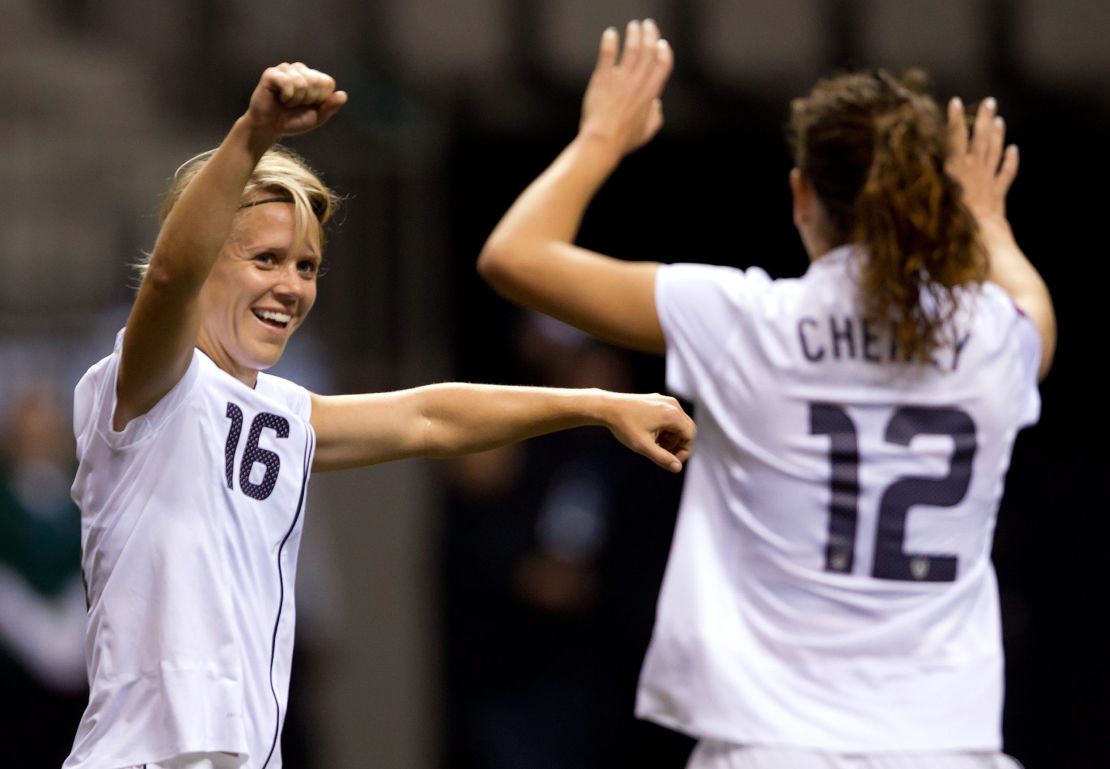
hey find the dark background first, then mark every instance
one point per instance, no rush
(455, 107)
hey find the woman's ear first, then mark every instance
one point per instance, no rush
(802, 190)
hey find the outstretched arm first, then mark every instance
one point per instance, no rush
(986, 171)
(530, 258)
(162, 329)
(448, 420)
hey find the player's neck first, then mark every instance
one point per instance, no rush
(225, 361)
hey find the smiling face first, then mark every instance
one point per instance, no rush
(259, 291)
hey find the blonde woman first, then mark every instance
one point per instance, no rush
(194, 463)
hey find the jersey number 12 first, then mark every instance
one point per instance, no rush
(891, 561)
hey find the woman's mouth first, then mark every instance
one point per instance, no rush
(273, 318)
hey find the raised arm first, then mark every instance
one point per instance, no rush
(530, 258)
(986, 171)
(448, 420)
(162, 329)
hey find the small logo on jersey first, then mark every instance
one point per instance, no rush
(919, 568)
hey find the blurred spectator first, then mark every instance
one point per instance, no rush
(42, 600)
(553, 552)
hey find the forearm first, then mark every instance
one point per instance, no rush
(530, 258)
(1008, 265)
(1011, 269)
(201, 220)
(162, 327)
(464, 418)
(549, 212)
(443, 420)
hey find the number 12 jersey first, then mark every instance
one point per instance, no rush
(830, 584)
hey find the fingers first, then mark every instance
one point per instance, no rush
(607, 53)
(664, 65)
(330, 106)
(656, 427)
(621, 100)
(663, 458)
(649, 40)
(297, 85)
(985, 167)
(957, 128)
(633, 40)
(654, 120)
(981, 131)
(1009, 169)
(988, 139)
(645, 53)
(669, 451)
(676, 438)
(996, 135)
(677, 444)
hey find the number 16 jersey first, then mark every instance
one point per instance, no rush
(830, 584)
(191, 521)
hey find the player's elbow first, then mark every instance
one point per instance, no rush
(491, 261)
(499, 263)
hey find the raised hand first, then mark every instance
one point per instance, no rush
(982, 167)
(292, 99)
(654, 426)
(622, 104)
(985, 171)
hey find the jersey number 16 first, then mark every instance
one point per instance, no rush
(253, 453)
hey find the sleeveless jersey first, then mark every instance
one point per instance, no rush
(191, 521)
(829, 584)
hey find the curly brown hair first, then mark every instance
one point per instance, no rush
(874, 148)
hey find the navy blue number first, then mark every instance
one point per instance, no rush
(235, 414)
(253, 453)
(891, 561)
(826, 419)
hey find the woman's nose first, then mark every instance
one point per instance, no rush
(290, 283)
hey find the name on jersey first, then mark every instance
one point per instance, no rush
(850, 338)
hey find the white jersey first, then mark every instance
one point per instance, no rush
(830, 583)
(191, 521)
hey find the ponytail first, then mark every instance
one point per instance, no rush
(875, 152)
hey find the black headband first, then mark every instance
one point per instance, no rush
(317, 206)
(283, 199)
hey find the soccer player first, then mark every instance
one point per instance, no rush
(829, 599)
(194, 464)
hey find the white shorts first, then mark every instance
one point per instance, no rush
(719, 755)
(195, 761)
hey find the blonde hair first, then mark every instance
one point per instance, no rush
(280, 173)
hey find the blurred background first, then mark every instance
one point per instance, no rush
(493, 612)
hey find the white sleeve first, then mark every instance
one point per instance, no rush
(1027, 341)
(700, 307)
(95, 405)
(296, 398)
(1019, 345)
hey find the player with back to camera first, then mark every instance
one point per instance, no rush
(829, 600)
(194, 464)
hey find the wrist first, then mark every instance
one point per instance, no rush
(598, 408)
(994, 225)
(257, 139)
(598, 149)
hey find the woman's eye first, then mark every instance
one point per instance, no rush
(307, 267)
(266, 258)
